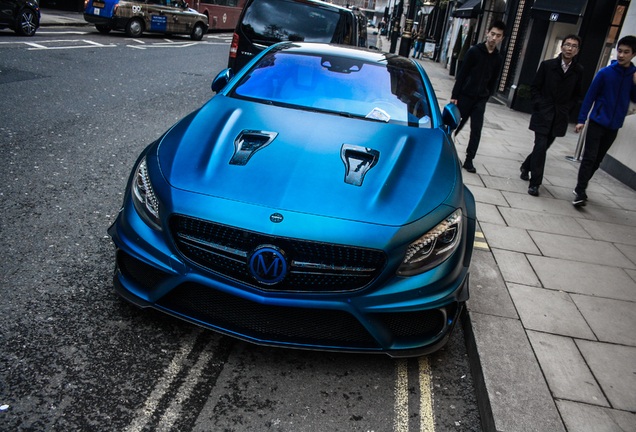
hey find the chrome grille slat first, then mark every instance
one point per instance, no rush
(314, 267)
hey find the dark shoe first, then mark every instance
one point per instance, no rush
(524, 174)
(533, 190)
(468, 166)
(579, 201)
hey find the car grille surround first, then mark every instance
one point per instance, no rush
(313, 267)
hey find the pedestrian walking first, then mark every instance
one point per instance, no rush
(475, 83)
(556, 89)
(420, 38)
(611, 91)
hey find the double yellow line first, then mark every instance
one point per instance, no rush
(427, 423)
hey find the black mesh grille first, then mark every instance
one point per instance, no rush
(268, 322)
(225, 250)
(427, 323)
(142, 273)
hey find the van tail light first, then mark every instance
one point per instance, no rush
(115, 9)
(86, 3)
(234, 46)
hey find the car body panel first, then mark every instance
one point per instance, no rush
(10, 13)
(291, 197)
(310, 156)
(156, 17)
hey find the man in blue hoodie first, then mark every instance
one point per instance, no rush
(612, 89)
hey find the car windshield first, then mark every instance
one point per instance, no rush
(392, 92)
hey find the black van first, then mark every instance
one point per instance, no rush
(265, 22)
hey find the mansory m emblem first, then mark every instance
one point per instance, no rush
(268, 265)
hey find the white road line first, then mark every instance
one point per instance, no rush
(35, 45)
(139, 41)
(144, 414)
(135, 46)
(402, 397)
(427, 422)
(172, 413)
(93, 43)
(63, 32)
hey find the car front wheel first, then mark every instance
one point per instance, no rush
(27, 23)
(197, 32)
(134, 28)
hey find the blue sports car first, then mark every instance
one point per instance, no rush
(315, 202)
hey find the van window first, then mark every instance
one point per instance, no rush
(271, 21)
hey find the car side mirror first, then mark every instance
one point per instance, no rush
(451, 116)
(222, 79)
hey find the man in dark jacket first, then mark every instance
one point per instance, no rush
(555, 90)
(612, 89)
(475, 83)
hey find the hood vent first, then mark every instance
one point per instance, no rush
(358, 161)
(249, 142)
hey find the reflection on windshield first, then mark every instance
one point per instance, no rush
(391, 93)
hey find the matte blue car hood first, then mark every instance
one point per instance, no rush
(301, 170)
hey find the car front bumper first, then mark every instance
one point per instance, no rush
(399, 316)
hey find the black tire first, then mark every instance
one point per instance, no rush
(134, 28)
(27, 22)
(197, 32)
(103, 29)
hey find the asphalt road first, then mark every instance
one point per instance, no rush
(76, 108)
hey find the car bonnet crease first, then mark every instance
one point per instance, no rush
(302, 169)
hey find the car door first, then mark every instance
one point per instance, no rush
(164, 17)
(7, 9)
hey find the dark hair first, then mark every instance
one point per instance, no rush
(572, 36)
(630, 41)
(499, 24)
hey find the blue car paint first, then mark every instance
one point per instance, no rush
(391, 195)
(210, 189)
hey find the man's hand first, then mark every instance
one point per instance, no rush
(579, 127)
(454, 101)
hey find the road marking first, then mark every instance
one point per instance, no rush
(402, 397)
(91, 44)
(172, 413)
(480, 241)
(145, 414)
(35, 45)
(63, 32)
(427, 423)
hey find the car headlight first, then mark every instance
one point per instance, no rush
(144, 197)
(434, 247)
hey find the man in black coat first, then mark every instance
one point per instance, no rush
(555, 90)
(475, 84)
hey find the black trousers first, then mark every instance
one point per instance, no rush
(475, 109)
(598, 141)
(535, 162)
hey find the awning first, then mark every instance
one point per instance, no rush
(566, 11)
(470, 9)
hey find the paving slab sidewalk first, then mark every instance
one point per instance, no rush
(551, 324)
